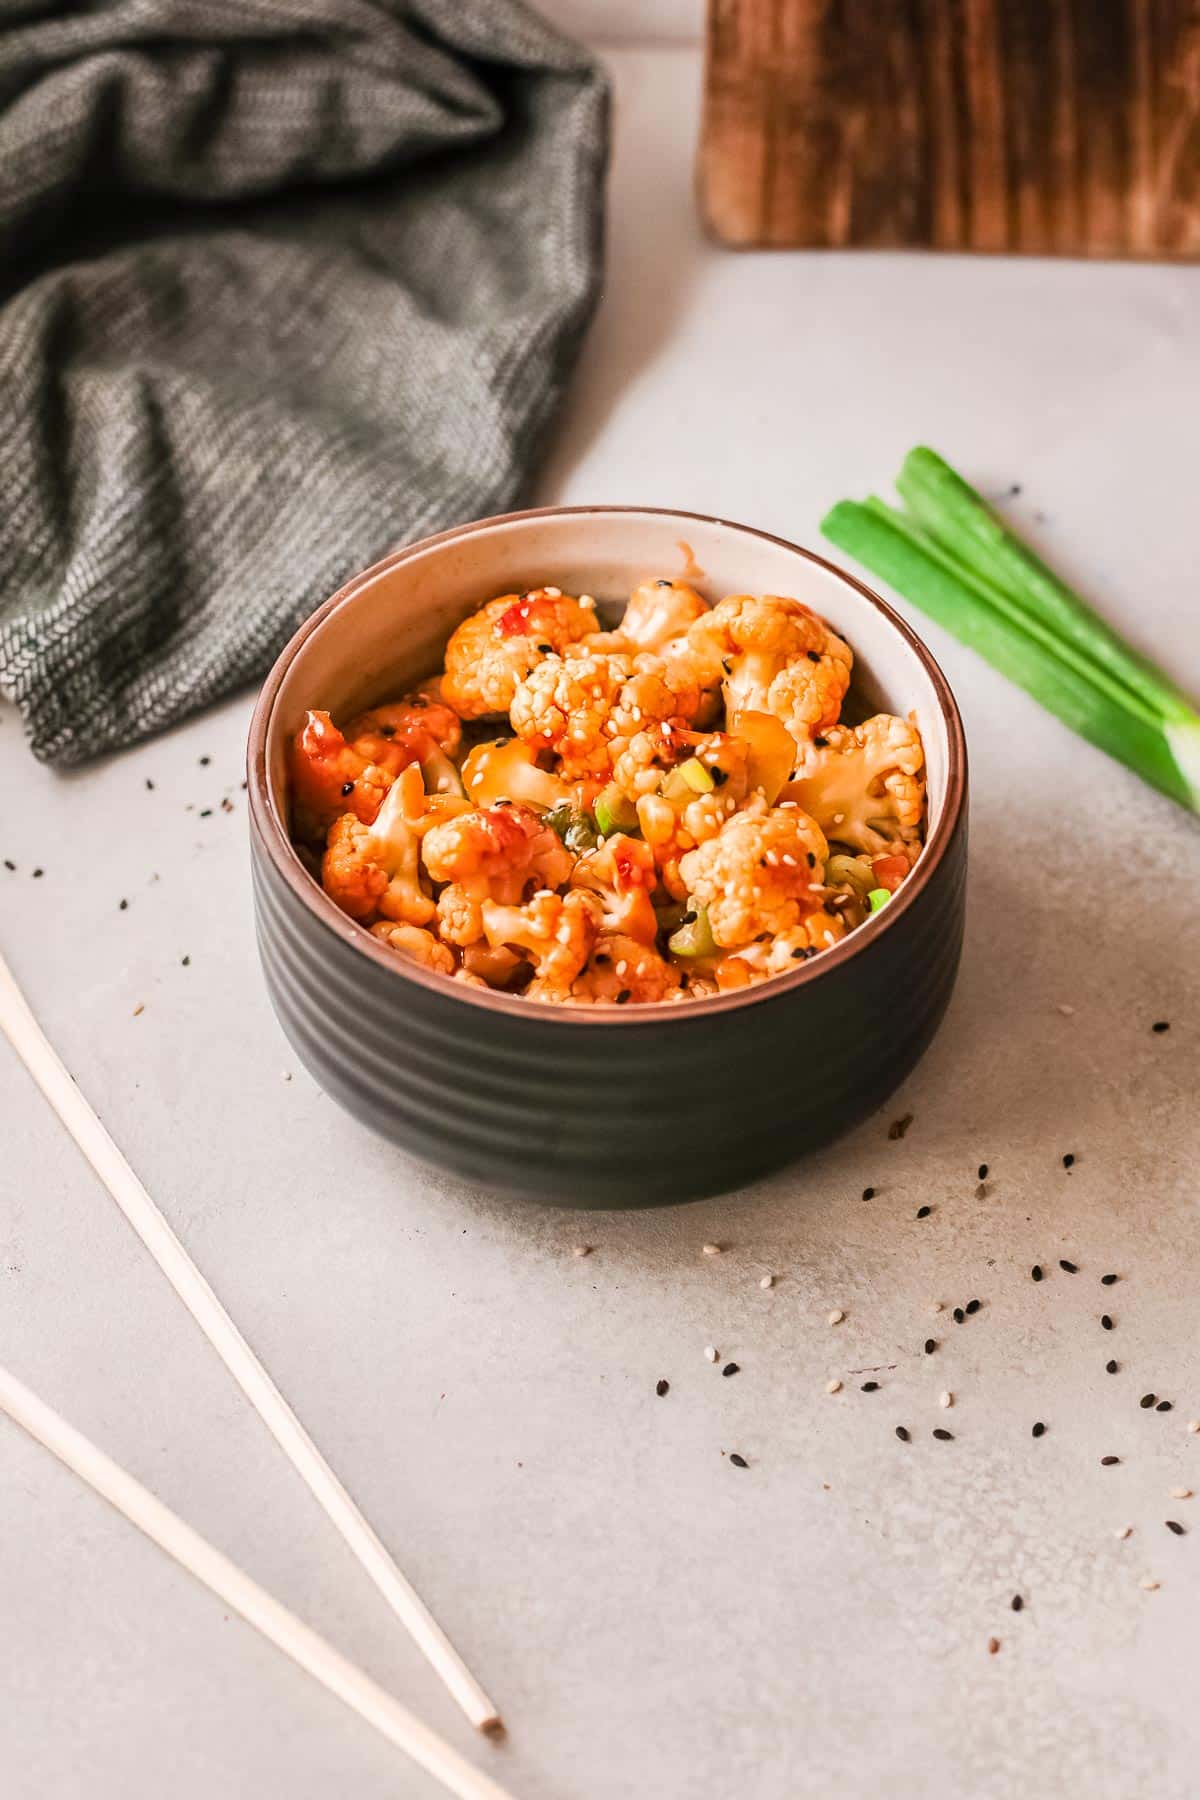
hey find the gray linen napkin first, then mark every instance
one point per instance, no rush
(283, 283)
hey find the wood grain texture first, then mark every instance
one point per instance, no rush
(1043, 127)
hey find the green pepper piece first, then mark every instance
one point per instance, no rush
(877, 899)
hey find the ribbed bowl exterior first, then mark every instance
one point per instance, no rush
(666, 1108)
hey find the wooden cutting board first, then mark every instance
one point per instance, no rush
(1041, 127)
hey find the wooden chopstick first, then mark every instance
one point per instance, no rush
(237, 1590)
(37, 1053)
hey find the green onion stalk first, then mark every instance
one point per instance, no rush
(949, 553)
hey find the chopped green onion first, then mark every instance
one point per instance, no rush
(1005, 605)
(697, 776)
(615, 812)
(576, 829)
(695, 938)
(877, 899)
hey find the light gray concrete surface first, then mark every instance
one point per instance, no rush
(654, 1622)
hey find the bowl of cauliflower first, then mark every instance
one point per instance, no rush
(608, 855)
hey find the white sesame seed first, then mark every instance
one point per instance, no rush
(1122, 1532)
(1148, 1582)
(836, 1316)
(710, 1351)
(769, 1281)
(552, 593)
(839, 818)
(582, 1250)
(946, 1399)
(287, 1075)
(935, 1306)
(1193, 1424)
(711, 1249)
(789, 861)
(1068, 1012)
(622, 967)
(834, 1386)
(1180, 1493)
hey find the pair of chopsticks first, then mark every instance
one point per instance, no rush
(171, 1533)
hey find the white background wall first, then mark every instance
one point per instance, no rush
(628, 21)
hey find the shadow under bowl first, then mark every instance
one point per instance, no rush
(600, 1106)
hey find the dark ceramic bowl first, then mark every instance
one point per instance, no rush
(604, 1105)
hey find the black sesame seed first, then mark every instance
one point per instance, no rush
(347, 788)
(1068, 1159)
(206, 811)
(1039, 1429)
(930, 1346)
(983, 1169)
(600, 957)
(923, 1212)
(1161, 1025)
(124, 906)
(1107, 1280)
(624, 995)
(1148, 1400)
(812, 861)
(868, 1193)
(1165, 1406)
(662, 582)
(739, 1462)
(9, 864)
(869, 1387)
(38, 873)
(1106, 1321)
(820, 742)
(958, 1315)
(1112, 1366)
(720, 776)
(1036, 1271)
(1175, 1526)
(661, 1388)
(204, 761)
(802, 954)
(1106, 1462)
(902, 1433)
(689, 917)
(944, 1437)
(814, 656)
(387, 731)
(149, 785)
(1017, 1603)
(730, 1369)
(546, 649)
(973, 1306)
(1070, 1267)
(186, 962)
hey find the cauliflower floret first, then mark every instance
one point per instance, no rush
(420, 945)
(623, 873)
(586, 708)
(329, 777)
(495, 647)
(419, 728)
(493, 853)
(369, 869)
(761, 873)
(776, 657)
(659, 690)
(864, 786)
(556, 931)
(621, 971)
(659, 614)
(566, 706)
(776, 956)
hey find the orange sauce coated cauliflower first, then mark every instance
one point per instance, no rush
(504, 640)
(678, 813)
